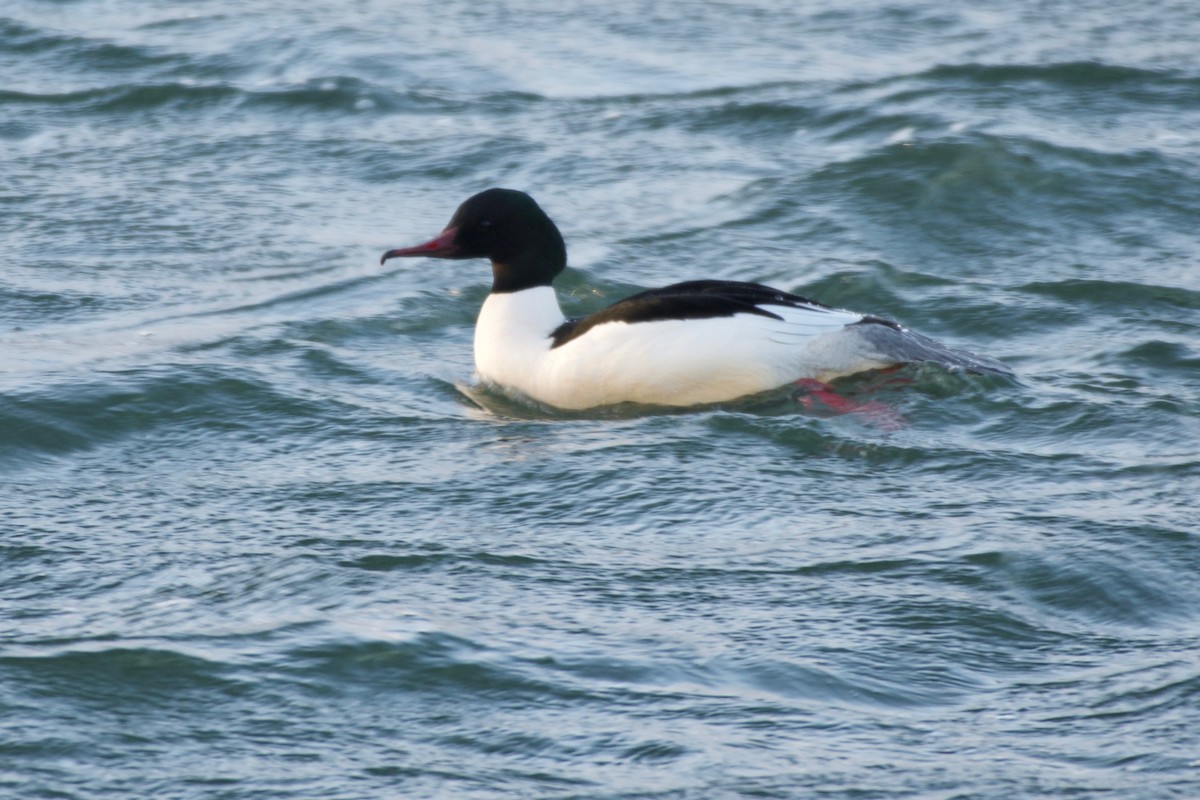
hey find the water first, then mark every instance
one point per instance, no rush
(264, 538)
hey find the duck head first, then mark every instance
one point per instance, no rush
(505, 226)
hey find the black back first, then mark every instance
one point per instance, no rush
(687, 300)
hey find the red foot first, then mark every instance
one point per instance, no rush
(881, 415)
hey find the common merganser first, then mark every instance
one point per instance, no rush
(697, 342)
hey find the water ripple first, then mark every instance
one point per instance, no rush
(264, 534)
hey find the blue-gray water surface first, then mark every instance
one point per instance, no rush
(262, 535)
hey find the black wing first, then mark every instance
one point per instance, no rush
(688, 300)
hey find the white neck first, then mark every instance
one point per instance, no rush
(513, 333)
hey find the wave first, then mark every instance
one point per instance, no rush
(972, 173)
(83, 53)
(136, 675)
(329, 95)
(1114, 297)
(1068, 596)
(61, 419)
(1147, 85)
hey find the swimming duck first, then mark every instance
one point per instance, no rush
(697, 342)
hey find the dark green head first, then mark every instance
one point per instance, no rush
(507, 227)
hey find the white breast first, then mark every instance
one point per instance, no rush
(512, 337)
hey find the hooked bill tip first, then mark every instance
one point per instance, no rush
(442, 246)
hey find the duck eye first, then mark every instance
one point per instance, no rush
(485, 223)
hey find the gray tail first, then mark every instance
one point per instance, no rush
(897, 344)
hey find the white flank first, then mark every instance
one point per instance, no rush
(669, 362)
